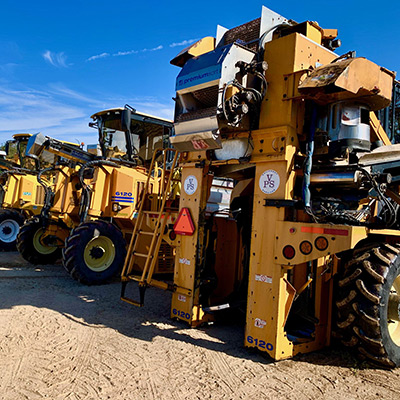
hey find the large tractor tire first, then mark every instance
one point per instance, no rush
(94, 252)
(30, 246)
(368, 317)
(10, 222)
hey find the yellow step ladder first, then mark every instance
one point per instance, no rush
(139, 234)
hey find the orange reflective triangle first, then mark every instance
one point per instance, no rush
(184, 224)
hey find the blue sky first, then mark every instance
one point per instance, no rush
(60, 62)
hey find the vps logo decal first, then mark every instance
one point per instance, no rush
(269, 181)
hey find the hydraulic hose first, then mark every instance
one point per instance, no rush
(382, 197)
(48, 193)
(96, 163)
(258, 96)
(86, 189)
(308, 162)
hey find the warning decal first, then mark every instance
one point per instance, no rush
(263, 278)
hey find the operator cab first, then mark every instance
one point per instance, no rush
(15, 151)
(131, 135)
(46, 151)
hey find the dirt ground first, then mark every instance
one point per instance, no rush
(63, 340)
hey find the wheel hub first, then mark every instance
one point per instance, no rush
(99, 253)
(7, 230)
(38, 244)
(96, 252)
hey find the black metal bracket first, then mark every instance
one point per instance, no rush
(278, 203)
(200, 164)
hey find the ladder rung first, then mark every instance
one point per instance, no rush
(146, 233)
(133, 302)
(141, 255)
(136, 278)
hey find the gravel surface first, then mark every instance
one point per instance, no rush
(62, 340)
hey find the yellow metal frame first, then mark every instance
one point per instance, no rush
(270, 293)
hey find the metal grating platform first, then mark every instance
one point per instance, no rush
(248, 32)
(202, 113)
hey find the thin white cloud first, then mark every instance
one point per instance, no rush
(96, 57)
(160, 47)
(58, 60)
(59, 89)
(153, 106)
(146, 104)
(183, 43)
(33, 110)
(129, 52)
(74, 130)
(63, 113)
(125, 53)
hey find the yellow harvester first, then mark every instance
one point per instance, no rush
(310, 244)
(93, 203)
(21, 196)
(95, 249)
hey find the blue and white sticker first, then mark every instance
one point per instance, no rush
(259, 323)
(190, 185)
(184, 261)
(269, 181)
(123, 197)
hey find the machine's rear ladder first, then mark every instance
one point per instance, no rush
(140, 236)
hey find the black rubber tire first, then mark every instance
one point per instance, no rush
(26, 247)
(74, 250)
(362, 308)
(6, 215)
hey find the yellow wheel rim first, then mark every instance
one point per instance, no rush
(394, 326)
(99, 253)
(39, 247)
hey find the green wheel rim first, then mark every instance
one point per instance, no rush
(39, 247)
(99, 253)
(394, 326)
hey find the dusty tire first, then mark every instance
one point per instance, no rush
(31, 249)
(10, 223)
(94, 252)
(370, 279)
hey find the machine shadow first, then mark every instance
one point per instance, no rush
(100, 307)
(52, 288)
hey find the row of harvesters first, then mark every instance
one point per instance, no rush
(273, 198)
(81, 205)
